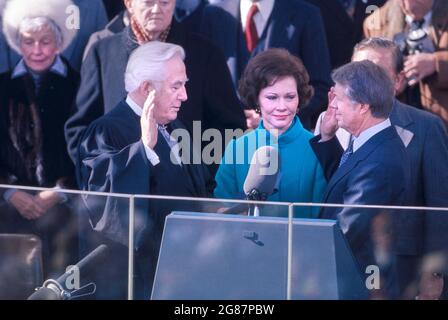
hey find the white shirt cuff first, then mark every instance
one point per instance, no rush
(151, 155)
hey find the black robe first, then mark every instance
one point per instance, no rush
(113, 159)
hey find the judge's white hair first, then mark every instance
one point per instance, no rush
(32, 15)
(147, 63)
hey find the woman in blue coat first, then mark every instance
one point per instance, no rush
(275, 83)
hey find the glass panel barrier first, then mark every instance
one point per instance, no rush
(70, 244)
(369, 252)
(202, 249)
(213, 249)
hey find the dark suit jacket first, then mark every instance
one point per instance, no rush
(376, 174)
(418, 231)
(211, 98)
(343, 32)
(293, 25)
(426, 142)
(191, 22)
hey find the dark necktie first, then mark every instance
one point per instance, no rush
(251, 33)
(347, 153)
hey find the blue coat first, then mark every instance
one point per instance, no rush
(301, 176)
(294, 25)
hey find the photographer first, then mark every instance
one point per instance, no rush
(420, 28)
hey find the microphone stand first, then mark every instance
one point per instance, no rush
(255, 195)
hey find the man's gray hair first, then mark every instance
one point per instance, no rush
(367, 83)
(147, 63)
(36, 24)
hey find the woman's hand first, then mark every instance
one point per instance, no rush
(252, 118)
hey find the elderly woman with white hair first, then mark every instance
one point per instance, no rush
(35, 101)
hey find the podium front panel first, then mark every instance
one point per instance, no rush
(215, 256)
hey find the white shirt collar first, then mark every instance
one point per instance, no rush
(134, 106)
(426, 25)
(265, 8)
(369, 133)
(58, 67)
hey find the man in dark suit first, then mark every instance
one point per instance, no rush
(374, 170)
(343, 20)
(290, 24)
(187, 13)
(212, 99)
(133, 143)
(418, 234)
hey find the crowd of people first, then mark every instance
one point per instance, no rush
(92, 94)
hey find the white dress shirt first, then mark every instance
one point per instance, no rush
(369, 133)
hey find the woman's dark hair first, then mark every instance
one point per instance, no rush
(266, 68)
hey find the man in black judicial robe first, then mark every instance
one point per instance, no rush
(129, 150)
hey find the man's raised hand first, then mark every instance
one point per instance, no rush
(148, 123)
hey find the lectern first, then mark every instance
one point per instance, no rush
(217, 256)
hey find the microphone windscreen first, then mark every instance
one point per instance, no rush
(88, 263)
(44, 294)
(263, 171)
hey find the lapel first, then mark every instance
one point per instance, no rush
(360, 155)
(336, 8)
(128, 40)
(279, 29)
(403, 122)
(234, 31)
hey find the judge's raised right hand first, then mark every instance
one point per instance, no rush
(26, 205)
(148, 123)
(329, 124)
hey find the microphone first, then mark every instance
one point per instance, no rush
(263, 175)
(57, 289)
(261, 181)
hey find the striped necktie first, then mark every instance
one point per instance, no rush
(172, 143)
(347, 153)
